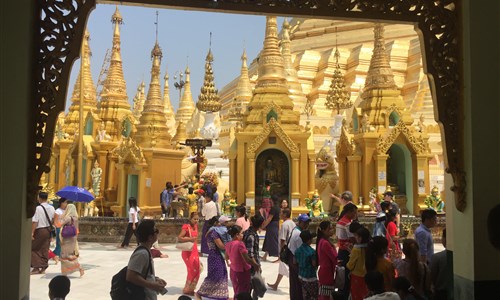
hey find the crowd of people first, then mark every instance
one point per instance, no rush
(361, 265)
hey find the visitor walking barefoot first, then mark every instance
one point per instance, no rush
(69, 244)
(133, 220)
(189, 233)
(271, 239)
(284, 234)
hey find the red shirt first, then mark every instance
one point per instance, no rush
(327, 260)
(343, 234)
(234, 249)
(392, 230)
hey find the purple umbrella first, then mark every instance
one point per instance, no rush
(76, 194)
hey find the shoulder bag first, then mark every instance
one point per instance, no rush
(51, 227)
(285, 252)
(185, 246)
(68, 230)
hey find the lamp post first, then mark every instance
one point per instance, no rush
(179, 85)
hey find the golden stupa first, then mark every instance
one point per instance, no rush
(271, 145)
(168, 109)
(186, 104)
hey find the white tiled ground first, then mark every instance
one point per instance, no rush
(102, 261)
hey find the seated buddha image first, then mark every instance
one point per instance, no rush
(271, 174)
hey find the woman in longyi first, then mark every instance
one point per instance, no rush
(69, 244)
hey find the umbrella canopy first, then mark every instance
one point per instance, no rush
(75, 193)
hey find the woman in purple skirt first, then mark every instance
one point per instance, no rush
(215, 285)
(272, 226)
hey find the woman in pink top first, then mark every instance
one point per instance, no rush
(327, 259)
(242, 218)
(240, 262)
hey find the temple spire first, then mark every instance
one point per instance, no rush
(114, 99)
(271, 71)
(338, 96)
(380, 73)
(168, 110)
(186, 105)
(89, 91)
(208, 100)
(294, 87)
(139, 100)
(243, 92)
(153, 130)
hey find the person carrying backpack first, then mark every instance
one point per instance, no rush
(138, 281)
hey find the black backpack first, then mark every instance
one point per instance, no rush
(121, 289)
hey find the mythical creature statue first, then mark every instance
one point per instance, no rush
(228, 204)
(315, 205)
(326, 176)
(434, 201)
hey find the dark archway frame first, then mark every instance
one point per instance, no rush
(59, 27)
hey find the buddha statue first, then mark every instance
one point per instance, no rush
(96, 174)
(374, 201)
(270, 173)
(434, 201)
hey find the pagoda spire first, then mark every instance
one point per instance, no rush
(379, 73)
(186, 105)
(168, 110)
(294, 87)
(139, 100)
(208, 100)
(89, 91)
(271, 70)
(382, 104)
(243, 92)
(114, 99)
(153, 130)
(338, 96)
(271, 88)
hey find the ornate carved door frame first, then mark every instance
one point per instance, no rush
(59, 27)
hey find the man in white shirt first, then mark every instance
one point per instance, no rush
(294, 243)
(40, 234)
(285, 232)
(208, 211)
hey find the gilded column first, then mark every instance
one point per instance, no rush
(381, 168)
(232, 175)
(342, 175)
(295, 175)
(251, 175)
(122, 190)
(353, 179)
(310, 181)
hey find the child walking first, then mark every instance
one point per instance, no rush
(306, 258)
(240, 263)
(356, 264)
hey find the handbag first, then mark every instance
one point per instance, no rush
(339, 277)
(185, 246)
(68, 230)
(285, 252)
(258, 284)
(51, 228)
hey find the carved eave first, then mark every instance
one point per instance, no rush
(271, 106)
(344, 146)
(416, 142)
(127, 152)
(272, 126)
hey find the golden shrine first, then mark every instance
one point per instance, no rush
(132, 146)
(271, 146)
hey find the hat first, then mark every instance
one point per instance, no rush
(304, 218)
(201, 192)
(306, 235)
(224, 219)
(380, 215)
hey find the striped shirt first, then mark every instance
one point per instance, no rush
(343, 234)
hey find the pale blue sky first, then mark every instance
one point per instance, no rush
(180, 34)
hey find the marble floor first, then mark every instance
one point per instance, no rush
(102, 261)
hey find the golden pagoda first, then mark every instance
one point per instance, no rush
(115, 109)
(152, 130)
(168, 110)
(180, 134)
(295, 89)
(385, 149)
(89, 94)
(186, 104)
(208, 100)
(271, 145)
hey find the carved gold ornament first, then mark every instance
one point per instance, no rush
(272, 126)
(417, 143)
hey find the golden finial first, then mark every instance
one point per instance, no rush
(435, 189)
(208, 100)
(316, 194)
(379, 73)
(116, 18)
(338, 96)
(271, 70)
